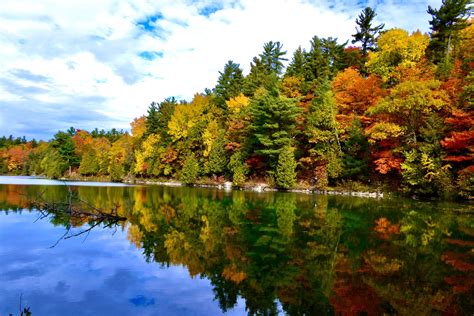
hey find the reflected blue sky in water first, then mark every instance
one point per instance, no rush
(103, 275)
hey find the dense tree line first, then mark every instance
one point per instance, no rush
(398, 110)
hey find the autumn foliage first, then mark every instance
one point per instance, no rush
(390, 112)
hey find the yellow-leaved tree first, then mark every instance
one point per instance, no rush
(397, 51)
(147, 157)
(186, 116)
(408, 106)
(238, 121)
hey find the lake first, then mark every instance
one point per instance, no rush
(108, 249)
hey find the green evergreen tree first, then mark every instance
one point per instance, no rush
(190, 171)
(273, 124)
(356, 153)
(286, 169)
(238, 168)
(445, 24)
(63, 143)
(158, 117)
(325, 58)
(322, 132)
(152, 119)
(272, 57)
(258, 77)
(366, 33)
(229, 84)
(265, 69)
(297, 64)
(218, 159)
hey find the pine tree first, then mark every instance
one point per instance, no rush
(158, 117)
(285, 172)
(152, 119)
(229, 84)
(190, 170)
(366, 33)
(272, 57)
(446, 23)
(296, 66)
(238, 168)
(323, 134)
(325, 58)
(218, 156)
(258, 77)
(274, 124)
(356, 155)
(63, 143)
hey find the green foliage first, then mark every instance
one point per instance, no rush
(420, 230)
(229, 84)
(158, 118)
(446, 23)
(9, 141)
(265, 69)
(53, 164)
(325, 58)
(116, 172)
(272, 57)
(424, 174)
(259, 77)
(410, 103)
(190, 171)
(89, 164)
(238, 168)
(65, 147)
(322, 131)
(356, 155)
(465, 184)
(297, 64)
(3, 166)
(152, 119)
(366, 33)
(218, 159)
(273, 124)
(286, 169)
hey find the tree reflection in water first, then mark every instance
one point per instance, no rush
(304, 254)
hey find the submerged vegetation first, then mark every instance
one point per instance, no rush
(395, 111)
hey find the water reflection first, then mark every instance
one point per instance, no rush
(302, 254)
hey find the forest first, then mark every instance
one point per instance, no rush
(388, 109)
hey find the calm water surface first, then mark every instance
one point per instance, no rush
(99, 249)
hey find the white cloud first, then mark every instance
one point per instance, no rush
(83, 57)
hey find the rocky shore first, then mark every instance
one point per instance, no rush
(261, 187)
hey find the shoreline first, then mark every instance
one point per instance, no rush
(262, 187)
(228, 186)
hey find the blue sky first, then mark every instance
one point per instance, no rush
(101, 63)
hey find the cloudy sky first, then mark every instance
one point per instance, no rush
(99, 63)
